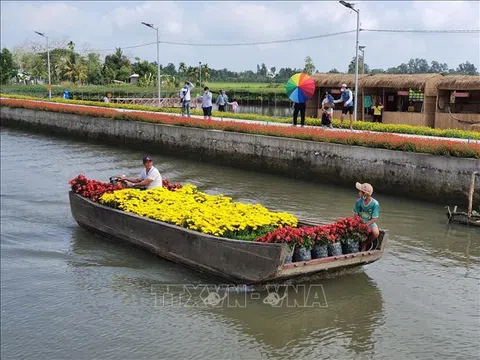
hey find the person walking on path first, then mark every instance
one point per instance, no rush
(221, 102)
(299, 107)
(207, 103)
(234, 105)
(185, 97)
(347, 99)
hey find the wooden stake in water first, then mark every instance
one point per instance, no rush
(470, 196)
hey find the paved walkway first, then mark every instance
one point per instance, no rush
(406, 136)
(315, 127)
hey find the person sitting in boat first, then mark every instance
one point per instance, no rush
(368, 209)
(149, 177)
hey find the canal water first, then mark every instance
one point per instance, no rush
(67, 293)
(265, 110)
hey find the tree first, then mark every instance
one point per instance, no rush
(467, 68)
(351, 66)
(94, 69)
(117, 64)
(8, 69)
(170, 70)
(182, 68)
(334, 71)
(436, 67)
(309, 67)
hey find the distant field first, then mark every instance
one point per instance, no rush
(250, 91)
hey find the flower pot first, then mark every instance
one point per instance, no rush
(335, 249)
(320, 251)
(350, 246)
(302, 254)
(289, 256)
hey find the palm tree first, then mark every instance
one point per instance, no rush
(182, 68)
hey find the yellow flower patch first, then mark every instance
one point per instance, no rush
(187, 207)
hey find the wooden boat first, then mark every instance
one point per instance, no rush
(242, 262)
(462, 217)
(470, 217)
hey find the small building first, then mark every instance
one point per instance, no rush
(458, 102)
(411, 99)
(134, 78)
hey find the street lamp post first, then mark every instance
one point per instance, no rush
(158, 62)
(200, 72)
(48, 64)
(362, 49)
(351, 7)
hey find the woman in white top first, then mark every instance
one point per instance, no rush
(149, 176)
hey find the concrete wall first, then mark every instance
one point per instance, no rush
(420, 176)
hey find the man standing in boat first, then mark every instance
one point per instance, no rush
(368, 209)
(149, 176)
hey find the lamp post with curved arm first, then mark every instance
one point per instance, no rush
(48, 64)
(158, 62)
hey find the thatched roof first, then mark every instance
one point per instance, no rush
(336, 80)
(459, 82)
(403, 81)
(400, 81)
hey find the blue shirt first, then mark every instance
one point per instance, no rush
(347, 97)
(368, 212)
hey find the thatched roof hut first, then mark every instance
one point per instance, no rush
(459, 82)
(336, 80)
(404, 81)
(392, 81)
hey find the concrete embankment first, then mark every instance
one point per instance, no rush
(421, 176)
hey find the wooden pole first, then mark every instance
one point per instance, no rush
(470, 196)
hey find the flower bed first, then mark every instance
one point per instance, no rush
(359, 125)
(210, 214)
(384, 141)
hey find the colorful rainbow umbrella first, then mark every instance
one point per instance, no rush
(300, 87)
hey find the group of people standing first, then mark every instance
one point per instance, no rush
(206, 101)
(328, 105)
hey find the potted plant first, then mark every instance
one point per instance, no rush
(324, 237)
(334, 247)
(287, 235)
(305, 238)
(353, 233)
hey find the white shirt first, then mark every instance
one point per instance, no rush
(153, 174)
(186, 91)
(207, 99)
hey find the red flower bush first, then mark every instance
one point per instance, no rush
(170, 186)
(92, 189)
(351, 229)
(344, 230)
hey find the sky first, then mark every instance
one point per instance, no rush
(103, 25)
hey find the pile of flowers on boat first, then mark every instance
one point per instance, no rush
(93, 189)
(218, 215)
(210, 214)
(312, 242)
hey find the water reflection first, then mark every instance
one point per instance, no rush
(266, 110)
(66, 289)
(352, 311)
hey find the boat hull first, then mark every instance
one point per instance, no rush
(238, 261)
